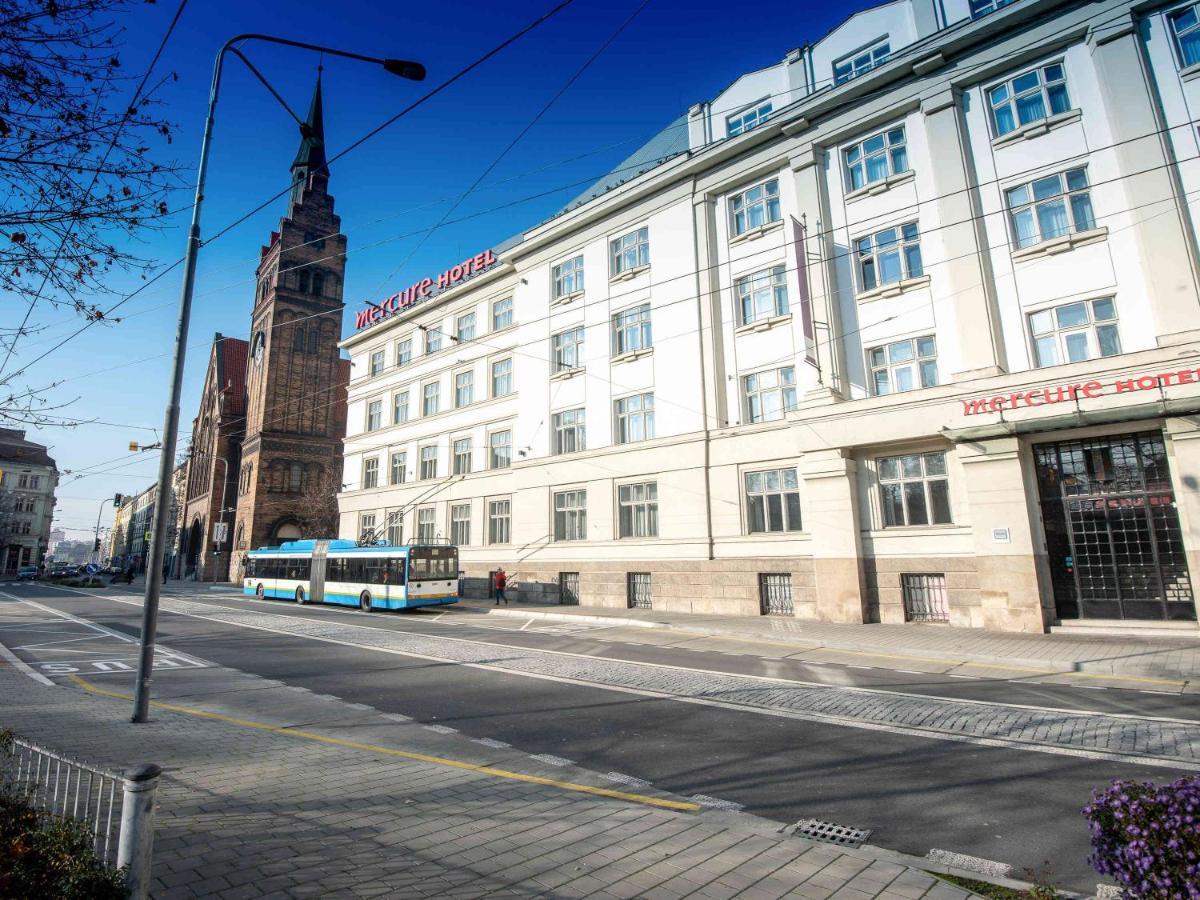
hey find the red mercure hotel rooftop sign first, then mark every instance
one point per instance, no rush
(423, 290)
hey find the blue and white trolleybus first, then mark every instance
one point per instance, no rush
(342, 572)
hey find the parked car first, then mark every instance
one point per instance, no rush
(27, 573)
(61, 571)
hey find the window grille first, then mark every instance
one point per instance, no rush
(925, 598)
(638, 590)
(775, 594)
(568, 588)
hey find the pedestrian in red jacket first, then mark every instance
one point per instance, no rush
(500, 582)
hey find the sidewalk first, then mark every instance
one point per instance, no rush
(1177, 658)
(275, 791)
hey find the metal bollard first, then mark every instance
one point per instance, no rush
(136, 844)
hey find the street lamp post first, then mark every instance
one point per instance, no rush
(402, 68)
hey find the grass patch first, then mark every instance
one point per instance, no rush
(997, 891)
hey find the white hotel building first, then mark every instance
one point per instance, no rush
(902, 328)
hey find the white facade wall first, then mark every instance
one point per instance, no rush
(1128, 125)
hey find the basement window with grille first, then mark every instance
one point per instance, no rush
(925, 598)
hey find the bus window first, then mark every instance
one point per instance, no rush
(433, 563)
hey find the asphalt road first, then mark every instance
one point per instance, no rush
(915, 793)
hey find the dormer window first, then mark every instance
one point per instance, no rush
(983, 7)
(861, 61)
(748, 118)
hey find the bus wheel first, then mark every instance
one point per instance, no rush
(300, 598)
(364, 602)
(259, 592)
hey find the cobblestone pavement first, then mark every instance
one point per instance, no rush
(1135, 739)
(1131, 655)
(246, 813)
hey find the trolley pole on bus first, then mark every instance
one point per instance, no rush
(402, 68)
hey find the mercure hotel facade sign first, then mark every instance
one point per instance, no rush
(423, 290)
(1065, 393)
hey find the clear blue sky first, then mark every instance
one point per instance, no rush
(674, 54)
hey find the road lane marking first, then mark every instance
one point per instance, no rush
(611, 794)
(21, 666)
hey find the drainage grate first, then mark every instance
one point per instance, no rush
(829, 832)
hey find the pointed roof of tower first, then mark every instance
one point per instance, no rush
(311, 155)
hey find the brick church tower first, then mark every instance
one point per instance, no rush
(291, 454)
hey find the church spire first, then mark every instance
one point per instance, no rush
(310, 158)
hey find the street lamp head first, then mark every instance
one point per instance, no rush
(405, 68)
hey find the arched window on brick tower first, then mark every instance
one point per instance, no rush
(318, 283)
(302, 280)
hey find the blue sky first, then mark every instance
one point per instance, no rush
(404, 180)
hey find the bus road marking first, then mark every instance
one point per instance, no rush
(162, 660)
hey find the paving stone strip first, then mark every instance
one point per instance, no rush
(1147, 741)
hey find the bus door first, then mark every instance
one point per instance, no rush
(316, 577)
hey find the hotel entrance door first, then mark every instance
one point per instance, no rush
(1112, 529)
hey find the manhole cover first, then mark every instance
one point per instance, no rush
(829, 832)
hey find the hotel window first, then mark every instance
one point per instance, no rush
(499, 521)
(1074, 332)
(762, 295)
(433, 339)
(756, 207)
(502, 378)
(403, 352)
(374, 415)
(637, 506)
(861, 61)
(370, 477)
(888, 256)
(569, 434)
(400, 408)
(428, 463)
(500, 450)
(399, 467)
(395, 529)
(464, 328)
(568, 349)
(568, 277)
(631, 330)
(460, 524)
(769, 394)
(1030, 97)
(502, 314)
(464, 388)
(462, 456)
(983, 7)
(430, 397)
(1050, 207)
(629, 251)
(376, 362)
(877, 158)
(426, 525)
(772, 501)
(747, 119)
(1185, 25)
(570, 516)
(366, 523)
(903, 365)
(635, 418)
(913, 489)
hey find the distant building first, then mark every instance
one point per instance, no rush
(902, 328)
(27, 483)
(56, 535)
(266, 452)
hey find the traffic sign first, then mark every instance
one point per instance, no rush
(92, 568)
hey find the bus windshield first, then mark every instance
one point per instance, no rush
(432, 563)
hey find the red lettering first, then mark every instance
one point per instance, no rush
(1092, 389)
(1062, 395)
(1012, 400)
(1028, 398)
(1123, 386)
(972, 407)
(456, 274)
(362, 318)
(376, 313)
(424, 287)
(996, 404)
(443, 280)
(480, 262)
(1148, 383)
(488, 257)
(1187, 376)
(392, 303)
(1166, 377)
